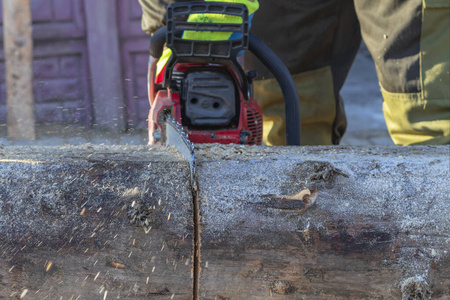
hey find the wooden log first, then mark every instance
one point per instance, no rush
(378, 229)
(70, 224)
(18, 47)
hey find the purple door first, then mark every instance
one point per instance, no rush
(75, 80)
(134, 48)
(61, 91)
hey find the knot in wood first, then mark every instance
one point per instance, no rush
(282, 287)
(415, 288)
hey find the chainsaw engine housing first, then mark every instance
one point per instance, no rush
(209, 98)
(209, 105)
(203, 86)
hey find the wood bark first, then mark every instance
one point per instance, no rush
(18, 46)
(378, 229)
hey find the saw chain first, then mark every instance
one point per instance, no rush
(177, 137)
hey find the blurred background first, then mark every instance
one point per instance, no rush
(90, 63)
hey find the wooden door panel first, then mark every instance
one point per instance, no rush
(130, 13)
(55, 19)
(42, 11)
(134, 45)
(61, 71)
(63, 82)
(135, 64)
(61, 85)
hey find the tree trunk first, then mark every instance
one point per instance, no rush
(18, 45)
(119, 221)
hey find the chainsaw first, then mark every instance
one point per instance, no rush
(204, 95)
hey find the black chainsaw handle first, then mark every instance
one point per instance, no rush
(157, 42)
(287, 85)
(274, 64)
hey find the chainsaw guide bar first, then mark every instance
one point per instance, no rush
(178, 138)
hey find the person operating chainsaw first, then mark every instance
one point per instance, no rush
(409, 41)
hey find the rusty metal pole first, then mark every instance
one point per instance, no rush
(18, 46)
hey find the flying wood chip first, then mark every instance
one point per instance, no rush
(117, 265)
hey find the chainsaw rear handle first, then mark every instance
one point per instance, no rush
(157, 42)
(274, 64)
(287, 85)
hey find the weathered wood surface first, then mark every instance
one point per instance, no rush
(378, 226)
(65, 230)
(18, 47)
(380, 221)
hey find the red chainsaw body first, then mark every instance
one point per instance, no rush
(245, 126)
